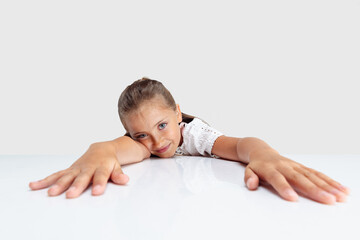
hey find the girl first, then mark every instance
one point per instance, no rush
(156, 127)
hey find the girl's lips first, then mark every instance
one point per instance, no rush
(164, 149)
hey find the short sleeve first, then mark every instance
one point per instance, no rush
(198, 138)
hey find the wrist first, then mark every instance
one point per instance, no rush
(250, 147)
(262, 152)
(103, 147)
(128, 150)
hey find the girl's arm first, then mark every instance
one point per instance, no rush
(283, 174)
(100, 162)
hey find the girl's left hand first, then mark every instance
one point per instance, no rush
(286, 175)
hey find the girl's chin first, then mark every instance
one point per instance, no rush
(165, 155)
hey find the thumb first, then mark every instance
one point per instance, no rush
(251, 179)
(117, 175)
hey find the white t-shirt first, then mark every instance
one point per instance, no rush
(198, 139)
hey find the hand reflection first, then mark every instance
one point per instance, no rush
(200, 174)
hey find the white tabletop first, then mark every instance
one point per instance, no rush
(177, 198)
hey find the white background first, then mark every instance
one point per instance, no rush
(176, 198)
(284, 71)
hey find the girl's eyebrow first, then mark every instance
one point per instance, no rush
(153, 127)
(159, 122)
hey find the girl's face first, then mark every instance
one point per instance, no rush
(156, 126)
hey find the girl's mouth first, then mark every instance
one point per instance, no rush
(164, 149)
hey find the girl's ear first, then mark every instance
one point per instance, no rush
(178, 113)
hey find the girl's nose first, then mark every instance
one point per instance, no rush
(157, 141)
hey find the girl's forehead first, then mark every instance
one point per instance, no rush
(147, 115)
(156, 104)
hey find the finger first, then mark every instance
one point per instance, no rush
(281, 185)
(62, 184)
(46, 182)
(251, 179)
(80, 183)
(118, 176)
(309, 189)
(323, 184)
(330, 181)
(101, 177)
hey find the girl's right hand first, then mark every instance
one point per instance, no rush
(97, 165)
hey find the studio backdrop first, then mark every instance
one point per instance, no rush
(283, 71)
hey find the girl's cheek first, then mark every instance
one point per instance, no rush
(146, 143)
(171, 135)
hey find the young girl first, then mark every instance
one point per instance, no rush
(156, 127)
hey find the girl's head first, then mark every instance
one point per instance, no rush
(150, 116)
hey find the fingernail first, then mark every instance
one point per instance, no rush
(345, 189)
(97, 189)
(327, 196)
(334, 191)
(340, 196)
(291, 194)
(71, 189)
(248, 182)
(124, 178)
(53, 189)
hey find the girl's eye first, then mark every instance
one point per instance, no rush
(162, 126)
(140, 136)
